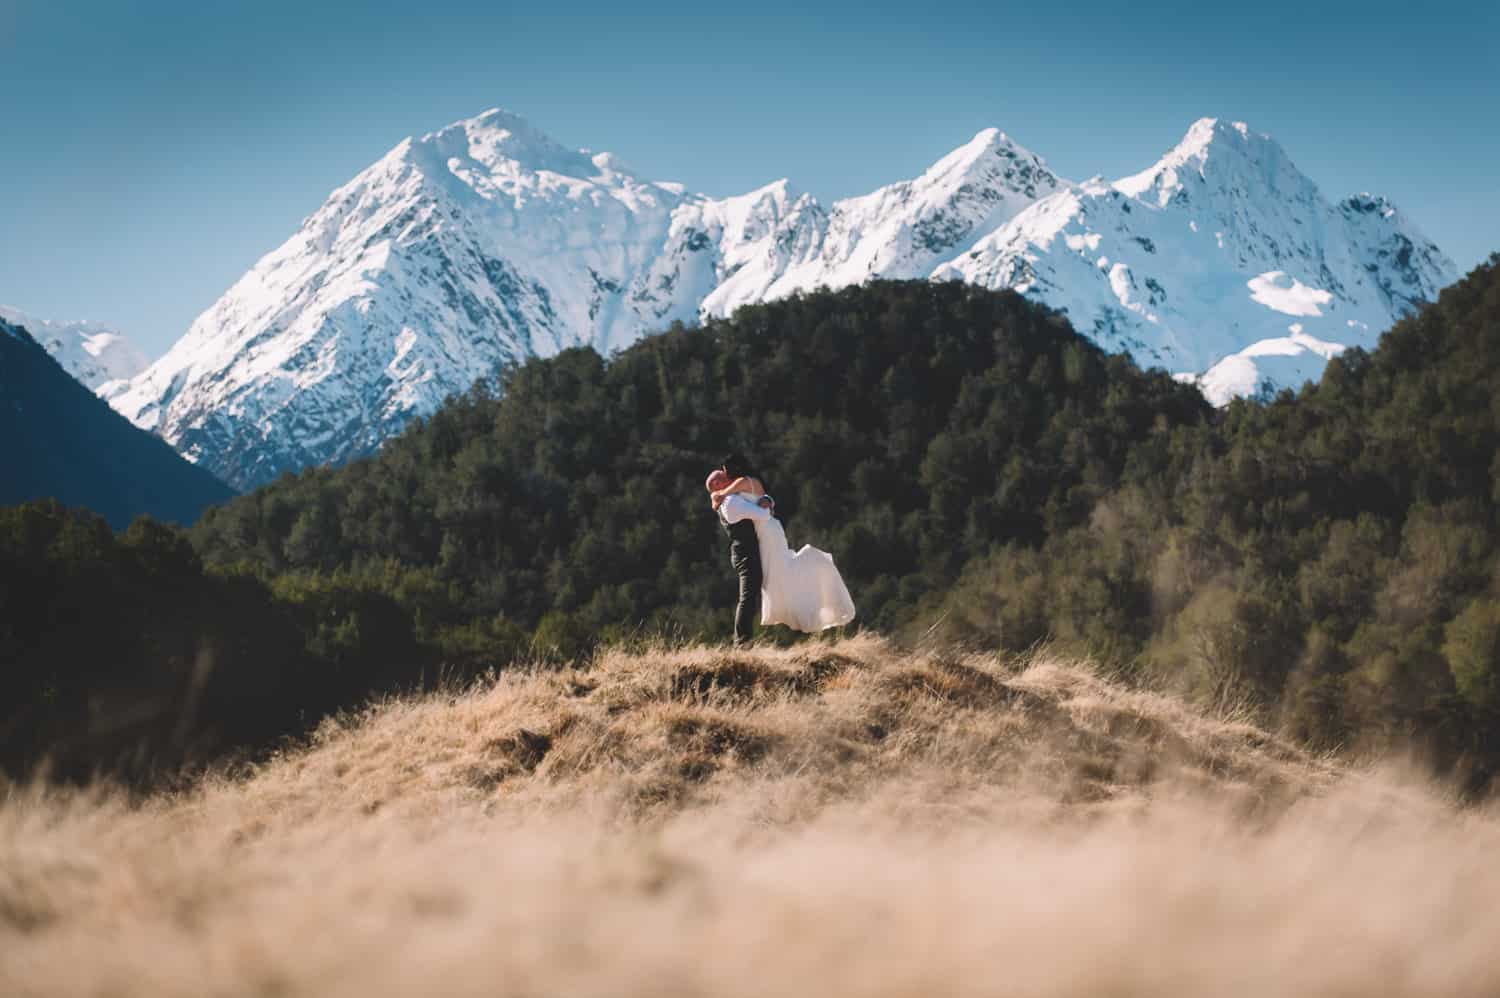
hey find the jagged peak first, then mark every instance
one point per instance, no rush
(1209, 133)
(1378, 217)
(83, 327)
(780, 199)
(972, 163)
(1209, 146)
(1365, 203)
(501, 140)
(500, 117)
(750, 215)
(779, 191)
(986, 143)
(499, 121)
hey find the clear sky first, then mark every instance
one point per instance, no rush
(154, 151)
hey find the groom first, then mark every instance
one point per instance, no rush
(737, 515)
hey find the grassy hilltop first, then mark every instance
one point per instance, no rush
(833, 819)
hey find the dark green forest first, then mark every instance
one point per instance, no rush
(1329, 558)
(981, 473)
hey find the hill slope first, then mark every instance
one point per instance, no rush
(487, 242)
(58, 440)
(842, 819)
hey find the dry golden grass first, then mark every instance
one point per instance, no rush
(829, 820)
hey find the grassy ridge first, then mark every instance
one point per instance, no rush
(848, 819)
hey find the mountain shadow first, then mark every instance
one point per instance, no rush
(59, 440)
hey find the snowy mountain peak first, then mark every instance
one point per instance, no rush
(91, 352)
(905, 229)
(498, 137)
(1202, 134)
(749, 214)
(1216, 154)
(991, 159)
(1199, 263)
(499, 155)
(487, 242)
(990, 143)
(499, 119)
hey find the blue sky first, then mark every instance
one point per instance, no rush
(154, 151)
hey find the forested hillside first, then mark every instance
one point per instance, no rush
(1330, 557)
(59, 440)
(121, 652)
(906, 427)
(980, 472)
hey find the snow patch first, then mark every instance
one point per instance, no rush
(1267, 366)
(1275, 290)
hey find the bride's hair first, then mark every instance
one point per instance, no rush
(739, 466)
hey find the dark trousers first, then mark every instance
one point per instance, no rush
(745, 558)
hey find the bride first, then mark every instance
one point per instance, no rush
(801, 589)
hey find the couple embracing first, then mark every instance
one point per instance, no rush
(801, 589)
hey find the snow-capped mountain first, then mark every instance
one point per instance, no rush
(1204, 263)
(487, 242)
(93, 353)
(482, 243)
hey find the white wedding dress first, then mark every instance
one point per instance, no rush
(802, 590)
